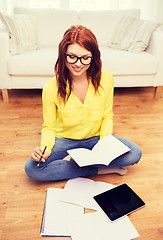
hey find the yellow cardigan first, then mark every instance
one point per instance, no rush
(77, 120)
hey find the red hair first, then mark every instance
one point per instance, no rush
(85, 38)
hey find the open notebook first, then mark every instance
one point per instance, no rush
(103, 152)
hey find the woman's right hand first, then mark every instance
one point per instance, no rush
(37, 153)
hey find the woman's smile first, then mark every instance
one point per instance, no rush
(77, 69)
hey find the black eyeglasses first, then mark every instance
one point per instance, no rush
(85, 60)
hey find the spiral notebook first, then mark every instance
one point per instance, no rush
(56, 214)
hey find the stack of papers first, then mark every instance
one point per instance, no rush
(64, 214)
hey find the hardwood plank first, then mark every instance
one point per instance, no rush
(138, 117)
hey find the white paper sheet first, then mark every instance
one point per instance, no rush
(81, 191)
(95, 226)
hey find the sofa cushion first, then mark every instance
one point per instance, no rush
(104, 23)
(36, 63)
(50, 23)
(22, 33)
(118, 62)
(121, 62)
(133, 34)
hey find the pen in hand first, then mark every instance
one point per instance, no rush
(41, 156)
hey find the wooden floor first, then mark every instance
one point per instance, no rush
(138, 117)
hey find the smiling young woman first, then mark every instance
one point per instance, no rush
(77, 41)
(77, 112)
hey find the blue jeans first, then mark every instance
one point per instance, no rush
(55, 168)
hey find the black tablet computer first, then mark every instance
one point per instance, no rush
(119, 201)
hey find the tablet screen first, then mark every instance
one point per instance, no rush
(119, 201)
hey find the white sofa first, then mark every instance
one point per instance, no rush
(31, 69)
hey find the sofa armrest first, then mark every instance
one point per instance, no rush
(156, 48)
(4, 55)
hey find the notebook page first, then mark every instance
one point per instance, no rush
(109, 148)
(56, 214)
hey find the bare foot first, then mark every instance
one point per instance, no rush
(67, 158)
(119, 170)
